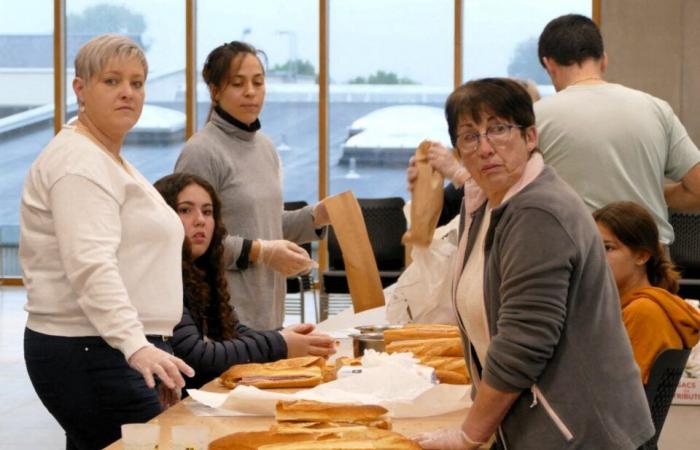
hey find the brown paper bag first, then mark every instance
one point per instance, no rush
(360, 264)
(426, 200)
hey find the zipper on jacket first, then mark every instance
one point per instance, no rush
(538, 397)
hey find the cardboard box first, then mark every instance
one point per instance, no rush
(687, 392)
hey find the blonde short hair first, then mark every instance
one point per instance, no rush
(96, 53)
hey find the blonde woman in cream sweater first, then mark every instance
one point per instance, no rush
(100, 252)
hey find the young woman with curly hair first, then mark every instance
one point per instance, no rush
(209, 337)
(654, 317)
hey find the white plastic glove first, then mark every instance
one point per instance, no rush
(301, 342)
(446, 439)
(151, 361)
(285, 257)
(445, 162)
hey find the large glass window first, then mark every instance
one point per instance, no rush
(26, 109)
(155, 142)
(287, 32)
(500, 37)
(391, 68)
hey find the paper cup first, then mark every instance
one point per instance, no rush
(140, 436)
(190, 437)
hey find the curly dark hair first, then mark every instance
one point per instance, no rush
(635, 227)
(204, 280)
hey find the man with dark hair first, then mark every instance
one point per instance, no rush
(610, 142)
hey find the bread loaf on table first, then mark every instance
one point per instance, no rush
(420, 331)
(345, 413)
(451, 363)
(428, 347)
(450, 377)
(369, 438)
(305, 371)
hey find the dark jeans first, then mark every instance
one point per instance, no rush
(88, 387)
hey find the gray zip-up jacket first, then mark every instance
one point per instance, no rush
(556, 331)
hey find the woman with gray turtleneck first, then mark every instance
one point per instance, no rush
(243, 166)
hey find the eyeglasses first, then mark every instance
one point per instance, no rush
(497, 134)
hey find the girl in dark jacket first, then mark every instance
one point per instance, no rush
(209, 337)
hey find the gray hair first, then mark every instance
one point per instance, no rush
(96, 53)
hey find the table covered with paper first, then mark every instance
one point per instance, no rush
(415, 404)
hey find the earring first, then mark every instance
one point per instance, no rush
(82, 107)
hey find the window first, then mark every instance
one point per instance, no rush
(26, 111)
(500, 37)
(391, 68)
(154, 143)
(287, 32)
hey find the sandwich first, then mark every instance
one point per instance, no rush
(340, 414)
(420, 331)
(428, 347)
(286, 373)
(369, 438)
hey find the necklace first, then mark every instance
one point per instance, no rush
(82, 129)
(582, 80)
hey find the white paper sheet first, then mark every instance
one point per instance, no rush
(347, 319)
(404, 391)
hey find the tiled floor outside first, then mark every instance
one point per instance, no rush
(24, 423)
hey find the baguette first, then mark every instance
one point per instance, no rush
(264, 377)
(437, 326)
(450, 377)
(428, 347)
(312, 411)
(451, 363)
(425, 332)
(314, 427)
(340, 440)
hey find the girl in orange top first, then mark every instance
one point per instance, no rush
(654, 317)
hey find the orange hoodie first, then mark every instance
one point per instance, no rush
(657, 320)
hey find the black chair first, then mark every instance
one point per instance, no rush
(299, 283)
(386, 224)
(663, 381)
(685, 251)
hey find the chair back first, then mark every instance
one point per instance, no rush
(663, 381)
(685, 250)
(386, 225)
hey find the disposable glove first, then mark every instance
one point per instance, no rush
(444, 161)
(285, 257)
(446, 439)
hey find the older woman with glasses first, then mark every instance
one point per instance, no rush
(535, 300)
(100, 252)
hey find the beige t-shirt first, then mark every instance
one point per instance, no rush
(470, 294)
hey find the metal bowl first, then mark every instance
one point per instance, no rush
(366, 329)
(361, 342)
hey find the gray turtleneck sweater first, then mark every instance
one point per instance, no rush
(244, 169)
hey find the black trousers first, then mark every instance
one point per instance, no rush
(88, 387)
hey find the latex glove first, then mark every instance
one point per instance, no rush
(321, 217)
(302, 342)
(452, 439)
(411, 173)
(285, 257)
(445, 162)
(168, 397)
(151, 361)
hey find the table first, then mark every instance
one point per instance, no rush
(221, 426)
